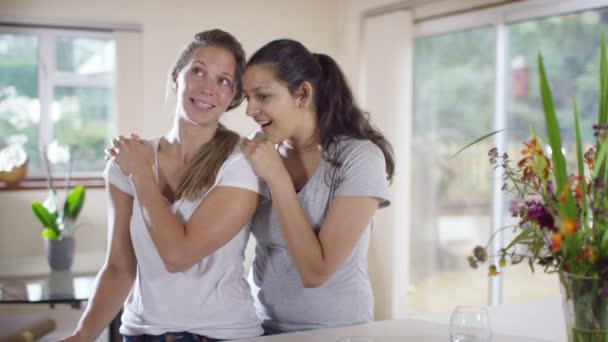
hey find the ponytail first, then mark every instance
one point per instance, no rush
(338, 115)
(201, 173)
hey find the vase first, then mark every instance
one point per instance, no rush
(60, 253)
(585, 303)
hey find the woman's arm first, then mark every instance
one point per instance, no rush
(219, 217)
(115, 279)
(319, 257)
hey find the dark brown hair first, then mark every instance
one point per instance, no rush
(337, 112)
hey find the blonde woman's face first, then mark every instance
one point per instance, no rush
(205, 85)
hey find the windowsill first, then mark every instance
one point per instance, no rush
(58, 183)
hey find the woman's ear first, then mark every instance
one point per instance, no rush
(305, 94)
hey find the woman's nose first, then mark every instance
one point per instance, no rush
(208, 86)
(251, 110)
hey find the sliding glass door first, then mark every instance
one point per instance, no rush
(467, 82)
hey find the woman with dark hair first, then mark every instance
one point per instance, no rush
(327, 171)
(179, 213)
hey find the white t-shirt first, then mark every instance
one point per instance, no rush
(212, 298)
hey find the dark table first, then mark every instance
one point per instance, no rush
(54, 288)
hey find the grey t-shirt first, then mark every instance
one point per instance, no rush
(346, 298)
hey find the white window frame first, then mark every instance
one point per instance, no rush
(499, 17)
(49, 78)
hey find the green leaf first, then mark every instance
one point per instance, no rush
(483, 137)
(43, 215)
(524, 234)
(50, 234)
(74, 202)
(601, 158)
(531, 264)
(604, 243)
(580, 161)
(555, 141)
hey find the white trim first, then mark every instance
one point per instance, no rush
(403, 164)
(546, 8)
(46, 67)
(456, 23)
(508, 13)
(71, 24)
(407, 5)
(500, 118)
(61, 32)
(65, 79)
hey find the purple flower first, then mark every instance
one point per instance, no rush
(539, 213)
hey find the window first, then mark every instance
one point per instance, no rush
(58, 85)
(452, 107)
(475, 73)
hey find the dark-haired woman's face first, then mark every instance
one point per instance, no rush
(270, 103)
(205, 85)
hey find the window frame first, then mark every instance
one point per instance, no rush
(50, 77)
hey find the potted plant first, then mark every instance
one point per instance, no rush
(58, 225)
(563, 215)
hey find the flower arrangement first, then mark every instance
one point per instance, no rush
(58, 224)
(563, 217)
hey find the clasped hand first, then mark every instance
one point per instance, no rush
(263, 157)
(132, 155)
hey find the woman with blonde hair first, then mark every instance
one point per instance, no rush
(179, 213)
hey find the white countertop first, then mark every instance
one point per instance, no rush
(539, 321)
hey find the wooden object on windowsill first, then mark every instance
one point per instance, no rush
(24, 328)
(15, 175)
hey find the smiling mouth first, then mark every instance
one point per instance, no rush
(265, 123)
(202, 105)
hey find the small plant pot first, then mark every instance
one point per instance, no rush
(60, 253)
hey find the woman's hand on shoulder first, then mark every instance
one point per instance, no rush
(132, 155)
(264, 158)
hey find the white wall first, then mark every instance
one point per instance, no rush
(386, 53)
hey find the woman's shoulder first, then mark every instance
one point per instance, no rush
(236, 159)
(236, 153)
(349, 147)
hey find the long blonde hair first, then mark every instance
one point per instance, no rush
(202, 171)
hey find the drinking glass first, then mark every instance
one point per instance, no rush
(470, 324)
